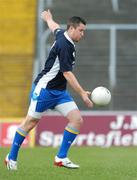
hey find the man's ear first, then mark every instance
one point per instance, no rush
(71, 28)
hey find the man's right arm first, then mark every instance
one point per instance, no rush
(47, 16)
(73, 82)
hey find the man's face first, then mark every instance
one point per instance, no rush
(78, 32)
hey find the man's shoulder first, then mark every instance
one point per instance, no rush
(59, 32)
(62, 40)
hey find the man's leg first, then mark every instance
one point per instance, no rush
(71, 112)
(37, 107)
(18, 140)
(70, 132)
(25, 127)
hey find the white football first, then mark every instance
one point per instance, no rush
(101, 96)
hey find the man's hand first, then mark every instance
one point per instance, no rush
(47, 16)
(85, 96)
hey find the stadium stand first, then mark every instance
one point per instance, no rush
(17, 37)
(126, 90)
(96, 11)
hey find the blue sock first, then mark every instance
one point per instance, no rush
(18, 140)
(70, 134)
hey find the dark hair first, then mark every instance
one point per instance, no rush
(75, 21)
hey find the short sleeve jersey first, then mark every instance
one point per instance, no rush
(61, 59)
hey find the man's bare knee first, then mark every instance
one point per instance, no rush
(75, 119)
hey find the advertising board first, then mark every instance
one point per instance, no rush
(102, 129)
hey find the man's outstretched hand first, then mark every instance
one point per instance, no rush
(46, 15)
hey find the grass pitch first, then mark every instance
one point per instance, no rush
(95, 164)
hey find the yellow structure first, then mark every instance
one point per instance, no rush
(17, 48)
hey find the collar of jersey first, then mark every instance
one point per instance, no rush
(68, 38)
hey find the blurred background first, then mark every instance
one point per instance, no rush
(107, 55)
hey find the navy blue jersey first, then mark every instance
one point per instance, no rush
(61, 59)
